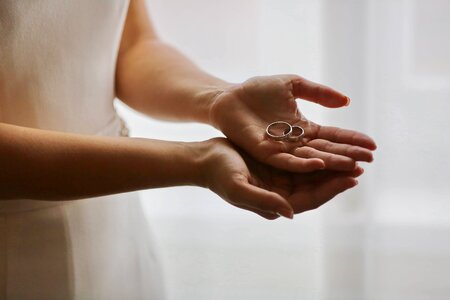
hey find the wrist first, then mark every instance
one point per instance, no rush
(199, 156)
(205, 157)
(207, 98)
(225, 106)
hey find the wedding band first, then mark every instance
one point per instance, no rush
(279, 130)
(296, 134)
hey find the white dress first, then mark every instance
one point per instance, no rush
(57, 65)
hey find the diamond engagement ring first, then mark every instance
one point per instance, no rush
(283, 131)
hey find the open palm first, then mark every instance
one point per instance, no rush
(243, 111)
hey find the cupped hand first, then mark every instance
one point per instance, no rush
(243, 111)
(248, 184)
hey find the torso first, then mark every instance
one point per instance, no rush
(57, 70)
(58, 63)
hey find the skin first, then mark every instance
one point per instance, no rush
(243, 111)
(247, 169)
(257, 186)
(152, 77)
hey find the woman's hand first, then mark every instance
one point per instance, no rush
(251, 185)
(243, 111)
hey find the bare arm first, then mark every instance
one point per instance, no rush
(156, 79)
(39, 164)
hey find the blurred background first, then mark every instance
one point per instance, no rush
(389, 238)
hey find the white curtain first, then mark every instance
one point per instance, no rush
(387, 239)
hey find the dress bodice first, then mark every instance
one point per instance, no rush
(57, 63)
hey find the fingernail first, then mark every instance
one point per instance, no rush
(286, 213)
(348, 101)
(322, 165)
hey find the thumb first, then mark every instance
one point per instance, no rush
(318, 93)
(263, 200)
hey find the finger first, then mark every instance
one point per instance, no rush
(319, 177)
(328, 175)
(329, 189)
(355, 152)
(275, 180)
(318, 93)
(345, 136)
(291, 163)
(282, 190)
(325, 192)
(262, 200)
(332, 161)
(358, 171)
(265, 215)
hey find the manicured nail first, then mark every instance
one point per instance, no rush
(348, 101)
(282, 212)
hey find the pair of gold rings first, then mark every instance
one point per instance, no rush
(283, 131)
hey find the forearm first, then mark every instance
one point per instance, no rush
(38, 164)
(157, 80)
